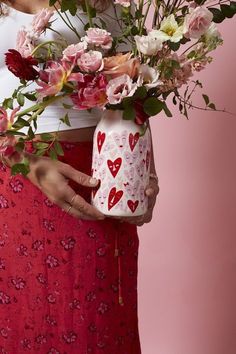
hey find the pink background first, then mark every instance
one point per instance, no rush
(187, 264)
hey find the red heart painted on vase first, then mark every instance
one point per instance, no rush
(114, 197)
(114, 166)
(133, 205)
(133, 139)
(147, 159)
(100, 140)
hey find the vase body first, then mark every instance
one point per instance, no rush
(121, 161)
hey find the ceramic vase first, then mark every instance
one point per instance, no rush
(121, 161)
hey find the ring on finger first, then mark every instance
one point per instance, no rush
(69, 208)
(73, 198)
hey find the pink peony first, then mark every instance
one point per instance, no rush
(119, 88)
(53, 78)
(41, 20)
(91, 92)
(5, 120)
(197, 22)
(24, 43)
(99, 37)
(91, 61)
(74, 51)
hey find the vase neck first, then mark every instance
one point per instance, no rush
(113, 115)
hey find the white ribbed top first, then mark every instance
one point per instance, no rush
(48, 121)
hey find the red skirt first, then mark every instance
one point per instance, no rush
(61, 277)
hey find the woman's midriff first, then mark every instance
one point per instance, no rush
(81, 134)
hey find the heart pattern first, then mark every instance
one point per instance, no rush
(121, 160)
(133, 139)
(133, 205)
(100, 140)
(114, 166)
(114, 197)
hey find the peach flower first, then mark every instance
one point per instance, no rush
(121, 64)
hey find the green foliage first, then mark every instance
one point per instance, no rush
(153, 106)
(20, 168)
(66, 120)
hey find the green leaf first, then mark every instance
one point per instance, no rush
(40, 145)
(166, 110)
(218, 16)
(53, 154)
(21, 168)
(46, 136)
(153, 106)
(30, 96)
(58, 148)
(8, 103)
(206, 99)
(141, 92)
(20, 123)
(174, 46)
(67, 106)
(66, 120)
(52, 2)
(129, 113)
(31, 133)
(21, 99)
(19, 146)
(211, 105)
(233, 6)
(227, 10)
(134, 31)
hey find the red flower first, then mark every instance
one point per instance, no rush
(21, 67)
(141, 116)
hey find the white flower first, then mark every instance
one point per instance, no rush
(212, 32)
(119, 88)
(148, 76)
(169, 30)
(148, 45)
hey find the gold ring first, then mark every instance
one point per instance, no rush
(70, 207)
(73, 198)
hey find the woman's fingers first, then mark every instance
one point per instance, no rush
(82, 207)
(77, 176)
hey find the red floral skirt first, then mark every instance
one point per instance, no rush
(61, 278)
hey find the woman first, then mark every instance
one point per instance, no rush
(68, 274)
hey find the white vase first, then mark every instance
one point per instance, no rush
(121, 160)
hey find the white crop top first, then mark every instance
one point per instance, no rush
(49, 120)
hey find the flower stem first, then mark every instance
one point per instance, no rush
(42, 45)
(88, 13)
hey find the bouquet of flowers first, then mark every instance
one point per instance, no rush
(93, 73)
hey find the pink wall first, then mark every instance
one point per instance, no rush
(187, 265)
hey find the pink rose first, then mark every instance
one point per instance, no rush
(74, 51)
(5, 121)
(41, 20)
(24, 43)
(119, 88)
(91, 61)
(99, 37)
(121, 64)
(197, 22)
(91, 92)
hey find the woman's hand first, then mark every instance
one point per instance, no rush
(151, 192)
(52, 177)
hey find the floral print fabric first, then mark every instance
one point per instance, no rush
(59, 276)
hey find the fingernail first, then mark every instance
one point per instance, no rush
(149, 192)
(93, 181)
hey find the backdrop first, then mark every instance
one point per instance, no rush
(187, 263)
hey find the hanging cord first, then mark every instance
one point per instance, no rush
(117, 255)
